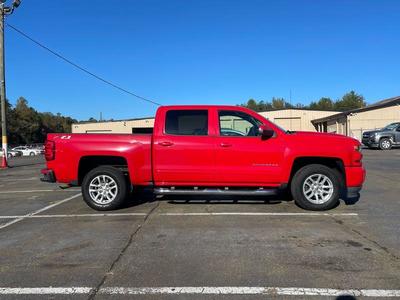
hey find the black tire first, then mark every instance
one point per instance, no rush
(31, 153)
(385, 144)
(119, 179)
(305, 172)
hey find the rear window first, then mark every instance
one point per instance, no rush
(187, 122)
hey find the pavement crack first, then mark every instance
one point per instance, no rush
(94, 291)
(383, 248)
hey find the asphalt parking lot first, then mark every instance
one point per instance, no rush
(53, 246)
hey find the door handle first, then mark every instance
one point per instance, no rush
(225, 145)
(166, 144)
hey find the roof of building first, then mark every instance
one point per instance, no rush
(110, 121)
(298, 108)
(380, 104)
(150, 118)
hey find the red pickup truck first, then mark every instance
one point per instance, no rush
(224, 150)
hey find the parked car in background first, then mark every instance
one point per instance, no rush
(384, 138)
(36, 146)
(11, 153)
(26, 151)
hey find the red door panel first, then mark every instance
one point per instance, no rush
(242, 156)
(182, 159)
(248, 160)
(183, 147)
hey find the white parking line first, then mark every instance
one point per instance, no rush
(20, 179)
(173, 214)
(38, 211)
(73, 215)
(258, 214)
(45, 291)
(38, 191)
(206, 290)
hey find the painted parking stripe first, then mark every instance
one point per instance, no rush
(171, 214)
(38, 211)
(74, 215)
(20, 179)
(38, 191)
(206, 290)
(258, 214)
(45, 291)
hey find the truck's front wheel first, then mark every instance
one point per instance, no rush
(104, 188)
(316, 187)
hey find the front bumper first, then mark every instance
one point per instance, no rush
(355, 176)
(369, 142)
(353, 192)
(47, 175)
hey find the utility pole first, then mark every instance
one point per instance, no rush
(4, 11)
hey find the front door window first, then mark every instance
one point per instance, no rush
(239, 124)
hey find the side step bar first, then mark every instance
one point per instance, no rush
(216, 191)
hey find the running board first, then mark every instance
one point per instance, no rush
(216, 191)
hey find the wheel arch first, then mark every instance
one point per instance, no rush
(386, 136)
(331, 162)
(88, 163)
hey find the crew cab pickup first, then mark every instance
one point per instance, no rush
(224, 150)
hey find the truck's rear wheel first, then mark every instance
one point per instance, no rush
(104, 188)
(316, 187)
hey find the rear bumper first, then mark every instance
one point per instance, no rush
(47, 175)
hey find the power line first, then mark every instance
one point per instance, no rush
(79, 67)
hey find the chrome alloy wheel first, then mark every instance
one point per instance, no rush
(385, 144)
(103, 189)
(318, 188)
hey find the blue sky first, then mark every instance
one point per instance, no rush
(200, 52)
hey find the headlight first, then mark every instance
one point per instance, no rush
(357, 148)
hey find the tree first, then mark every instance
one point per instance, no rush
(25, 125)
(29, 123)
(252, 104)
(276, 103)
(279, 103)
(323, 104)
(349, 101)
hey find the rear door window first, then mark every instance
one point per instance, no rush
(187, 122)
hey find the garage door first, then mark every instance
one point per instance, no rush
(288, 123)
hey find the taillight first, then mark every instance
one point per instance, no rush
(49, 150)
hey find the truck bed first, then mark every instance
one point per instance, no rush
(71, 150)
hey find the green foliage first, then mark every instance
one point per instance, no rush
(323, 104)
(27, 126)
(276, 103)
(349, 101)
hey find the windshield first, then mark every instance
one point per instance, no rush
(391, 126)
